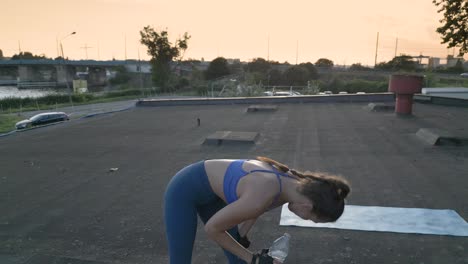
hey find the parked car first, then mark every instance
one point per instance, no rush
(465, 74)
(286, 93)
(42, 119)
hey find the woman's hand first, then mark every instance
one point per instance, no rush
(262, 257)
(244, 241)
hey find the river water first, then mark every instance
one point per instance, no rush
(13, 91)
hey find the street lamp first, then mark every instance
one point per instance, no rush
(61, 46)
(64, 68)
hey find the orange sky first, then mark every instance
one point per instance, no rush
(341, 30)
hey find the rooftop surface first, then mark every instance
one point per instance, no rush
(60, 197)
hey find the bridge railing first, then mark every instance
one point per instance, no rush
(36, 84)
(8, 82)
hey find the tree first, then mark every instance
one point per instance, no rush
(358, 67)
(259, 69)
(259, 65)
(217, 68)
(235, 67)
(1, 54)
(162, 52)
(313, 74)
(275, 77)
(403, 62)
(322, 62)
(28, 56)
(454, 29)
(122, 76)
(296, 75)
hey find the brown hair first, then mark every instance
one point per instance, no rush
(326, 192)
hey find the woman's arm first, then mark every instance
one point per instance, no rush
(245, 227)
(231, 215)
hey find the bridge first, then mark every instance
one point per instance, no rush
(60, 73)
(82, 63)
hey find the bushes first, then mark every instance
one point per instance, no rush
(52, 100)
(129, 92)
(336, 85)
(28, 102)
(359, 85)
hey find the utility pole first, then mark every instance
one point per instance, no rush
(396, 47)
(98, 51)
(86, 47)
(297, 50)
(125, 47)
(268, 53)
(57, 46)
(376, 49)
(139, 70)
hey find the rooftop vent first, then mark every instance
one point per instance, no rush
(381, 107)
(438, 137)
(231, 137)
(404, 86)
(262, 108)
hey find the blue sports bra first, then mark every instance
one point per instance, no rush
(235, 172)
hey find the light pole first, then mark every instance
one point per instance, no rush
(61, 46)
(64, 68)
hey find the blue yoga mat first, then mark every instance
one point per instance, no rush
(388, 219)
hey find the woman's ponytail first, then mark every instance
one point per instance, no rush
(280, 166)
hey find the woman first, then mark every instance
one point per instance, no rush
(229, 195)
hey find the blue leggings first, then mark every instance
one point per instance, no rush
(188, 193)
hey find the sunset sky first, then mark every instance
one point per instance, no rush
(341, 30)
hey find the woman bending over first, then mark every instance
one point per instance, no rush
(229, 195)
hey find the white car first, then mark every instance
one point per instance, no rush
(281, 93)
(465, 74)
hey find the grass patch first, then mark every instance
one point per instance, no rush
(52, 102)
(7, 122)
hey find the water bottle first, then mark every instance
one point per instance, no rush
(280, 248)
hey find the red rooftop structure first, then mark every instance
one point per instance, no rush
(405, 86)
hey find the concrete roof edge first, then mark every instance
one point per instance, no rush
(361, 98)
